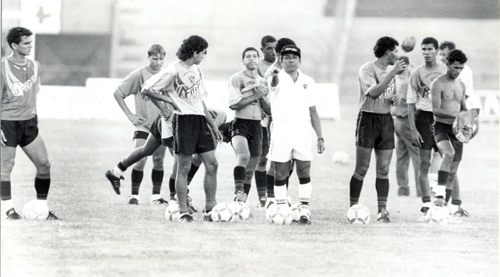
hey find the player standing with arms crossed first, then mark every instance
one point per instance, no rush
(247, 98)
(182, 83)
(292, 97)
(420, 113)
(145, 115)
(375, 127)
(20, 87)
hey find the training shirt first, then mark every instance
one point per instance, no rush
(419, 91)
(237, 83)
(183, 84)
(290, 101)
(20, 86)
(144, 108)
(370, 75)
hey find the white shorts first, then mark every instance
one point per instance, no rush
(290, 140)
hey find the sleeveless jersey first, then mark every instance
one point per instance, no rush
(20, 86)
(370, 74)
(419, 91)
(183, 84)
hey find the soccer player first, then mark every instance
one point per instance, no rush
(375, 126)
(292, 97)
(182, 83)
(19, 121)
(448, 99)
(145, 115)
(247, 92)
(268, 48)
(404, 147)
(420, 113)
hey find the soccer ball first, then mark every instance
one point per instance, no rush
(297, 212)
(358, 214)
(437, 214)
(172, 211)
(279, 214)
(240, 210)
(36, 210)
(222, 212)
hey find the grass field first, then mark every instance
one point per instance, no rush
(100, 235)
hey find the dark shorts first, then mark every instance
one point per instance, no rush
(265, 141)
(155, 130)
(192, 134)
(375, 131)
(252, 131)
(445, 132)
(20, 132)
(140, 135)
(424, 121)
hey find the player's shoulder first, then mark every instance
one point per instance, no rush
(306, 78)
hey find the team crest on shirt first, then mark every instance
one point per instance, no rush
(305, 86)
(186, 85)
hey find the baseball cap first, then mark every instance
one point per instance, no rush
(290, 49)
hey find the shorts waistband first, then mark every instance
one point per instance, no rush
(242, 120)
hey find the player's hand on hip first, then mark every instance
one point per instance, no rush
(4, 140)
(217, 135)
(135, 119)
(321, 146)
(417, 138)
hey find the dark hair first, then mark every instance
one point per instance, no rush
(266, 39)
(282, 42)
(429, 40)
(156, 49)
(456, 55)
(447, 44)
(15, 35)
(249, 49)
(189, 46)
(383, 44)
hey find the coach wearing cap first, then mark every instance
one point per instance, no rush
(292, 97)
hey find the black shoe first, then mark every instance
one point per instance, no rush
(159, 201)
(133, 201)
(207, 216)
(304, 220)
(115, 181)
(186, 218)
(52, 216)
(383, 217)
(12, 214)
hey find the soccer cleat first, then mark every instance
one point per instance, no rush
(240, 197)
(262, 202)
(404, 191)
(52, 216)
(426, 215)
(383, 217)
(186, 218)
(461, 213)
(207, 216)
(439, 201)
(115, 181)
(270, 201)
(304, 220)
(190, 205)
(12, 214)
(133, 201)
(159, 201)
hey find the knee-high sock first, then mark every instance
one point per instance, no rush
(280, 191)
(157, 179)
(42, 187)
(355, 187)
(260, 181)
(382, 186)
(136, 177)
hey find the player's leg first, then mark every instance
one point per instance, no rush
(423, 178)
(402, 159)
(157, 174)
(383, 160)
(281, 170)
(249, 171)
(8, 157)
(173, 176)
(240, 146)
(260, 170)
(363, 156)
(210, 180)
(183, 166)
(305, 189)
(137, 173)
(446, 148)
(195, 165)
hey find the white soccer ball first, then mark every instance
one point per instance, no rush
(240, 210)
(222, 212)
(340, 157)
(358, 214)
(296, 211)
(36, 210)
(279, 214)
(438, 214)
(172, 212)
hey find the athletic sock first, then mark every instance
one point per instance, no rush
(119, 169)
(247, 187)
(42, 187)
(305, 190)
(448, 195)
(457, 202)
(382, 186)
(171, 186)
(355, 187)
(270, 185)
(192, 172)
(5, 190)
(280, 191)
(426, 199)
(136, 177)
(442, 181)
(239, 177)
(260, 181)
(157, 179)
